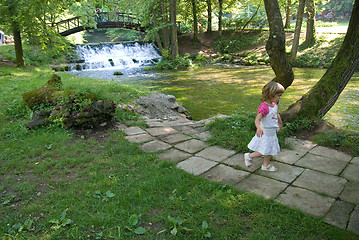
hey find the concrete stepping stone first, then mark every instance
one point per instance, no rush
(161, 131)
(191, 146)
(155, 146)
(173, 155)
(266, 187)
(174, 138)
(204, 136)
(321, 183)
(351, 172)
(196, 165)
(331, 153)
(351, 192)
(189, 130)
(289, 156)
(339, 214)
(238, 161)
(309, 202)
(215, 153)
(134, 131)
(322, 163)
(140, 138)
(224, 174)
(354, 221)
(286, 173)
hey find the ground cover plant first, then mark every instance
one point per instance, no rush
(66, 184)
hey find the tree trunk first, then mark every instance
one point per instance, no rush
(310, 35)
(287, 14)
(20, 60)
(165, 30)
(322, 96)
(298, 27)
(276, 45)
(157, 36)
(195, 21)
(209, 17)
(174, 41)
(220, 16)
(245, 25)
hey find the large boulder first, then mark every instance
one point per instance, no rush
(157, 106)
(52, 104)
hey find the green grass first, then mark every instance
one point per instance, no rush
(55, 184)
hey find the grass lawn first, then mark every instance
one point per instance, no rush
(59, 184)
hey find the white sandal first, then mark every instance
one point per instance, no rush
(269, 168)
(247, 160)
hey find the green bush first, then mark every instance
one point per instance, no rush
(177, 63)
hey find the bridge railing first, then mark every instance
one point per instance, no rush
(100, 18)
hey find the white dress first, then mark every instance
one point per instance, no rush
(268, 143)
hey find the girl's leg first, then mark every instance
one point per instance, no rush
(266, 166)
(255, 154)
(266, 160)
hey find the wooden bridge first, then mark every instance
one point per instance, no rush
(103, 20)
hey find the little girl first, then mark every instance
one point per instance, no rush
(268, 122)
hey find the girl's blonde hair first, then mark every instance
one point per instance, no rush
(270, 90)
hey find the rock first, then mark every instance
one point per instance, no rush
(157, 106)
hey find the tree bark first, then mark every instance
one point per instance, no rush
(157, 35)
(174, 41)
(298, 27)
(220, 21)
(310, 35)
(209, 17)
(287, 14)
(195, 21)
(323, 95)
(20, 60)
(245, 25)
(276, 45)
(165, 30)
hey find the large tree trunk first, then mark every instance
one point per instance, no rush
(298, 27)
(195, 21)
(310, 35)
(165, 30)
(220, 22)
(174, 41)
(157, 35)
(20, 60)
(209, 17)
(287, 14)
(322, 96)
(276, 45)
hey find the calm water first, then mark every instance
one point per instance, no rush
(226, 89)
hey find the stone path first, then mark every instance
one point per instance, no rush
(319, 181)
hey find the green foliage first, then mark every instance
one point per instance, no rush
(177, 63)
(341, 140)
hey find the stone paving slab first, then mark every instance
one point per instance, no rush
(215, 153)
(321, 163)
(238, 161)
(339, 214)
(191, 146)
(140, 138)
(351, 172)
(354, 221)
(155, 146)
(299, 144)
(134, 131)
(286, 173)
(189, 130)
(331, 153)
(158, 131)
(196, 165)
(289, 156)
(307, 201)
(266, 187)
(224, 174)
(174, 138)
(204, 136)
(321, 183)
(173, 155)
(351, 192)
(355, 160)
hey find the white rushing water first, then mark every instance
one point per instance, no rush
(119, 56)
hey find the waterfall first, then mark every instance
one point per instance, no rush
(116, 55)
